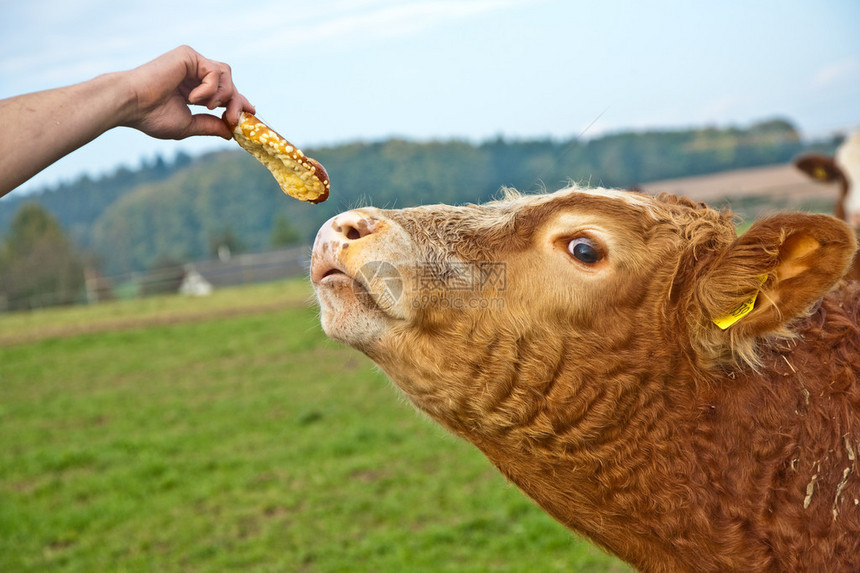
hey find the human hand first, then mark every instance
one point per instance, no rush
(162, 89)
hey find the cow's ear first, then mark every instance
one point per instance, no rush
(769, 276)
(819, 167)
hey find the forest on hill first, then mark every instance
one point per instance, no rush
(169, 212)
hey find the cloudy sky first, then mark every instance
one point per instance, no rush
(329, 71)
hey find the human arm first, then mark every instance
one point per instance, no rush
(39, 128)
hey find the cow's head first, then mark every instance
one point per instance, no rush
(842, 169)
(476, 311)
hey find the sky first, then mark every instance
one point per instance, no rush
(326, 72)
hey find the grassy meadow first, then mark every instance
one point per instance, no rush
(228, 434)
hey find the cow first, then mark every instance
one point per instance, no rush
(685, 397)
(844, 169)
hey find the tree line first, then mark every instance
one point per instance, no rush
(171, 212)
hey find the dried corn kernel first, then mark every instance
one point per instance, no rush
(298, 175)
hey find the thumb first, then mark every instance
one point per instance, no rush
(206, 124)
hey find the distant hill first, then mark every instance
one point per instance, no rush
(79, 203)
(182, 210)
(753, 191)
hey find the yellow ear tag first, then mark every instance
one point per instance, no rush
(739, 311)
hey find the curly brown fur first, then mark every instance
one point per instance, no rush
(604, 389)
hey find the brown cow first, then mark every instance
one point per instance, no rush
(844, 169)
(571, 337)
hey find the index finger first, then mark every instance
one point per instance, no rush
(237, 104)
(206, 92)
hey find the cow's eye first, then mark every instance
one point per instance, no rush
(585, 250)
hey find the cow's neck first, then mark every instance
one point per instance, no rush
(591, 458)
(570, 431)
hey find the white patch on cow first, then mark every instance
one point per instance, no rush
(848, 159)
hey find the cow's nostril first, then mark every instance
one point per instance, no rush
(353, 225)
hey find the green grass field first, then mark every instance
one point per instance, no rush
(228, 434)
